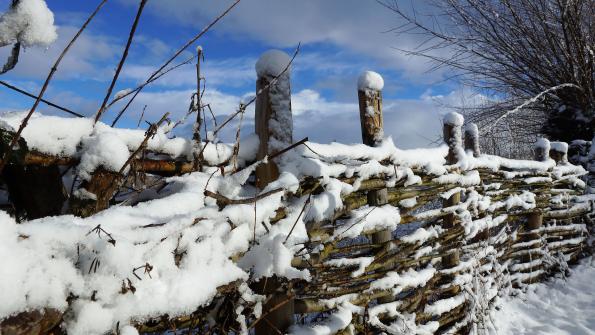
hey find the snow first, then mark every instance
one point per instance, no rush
(122, 93)
(560, 306)
(559, 146)
(76, 137)
(367, 220)
(454, 119)
(271, 257)
(102, 150)
(58, 256)
(472, 130)
(360, 262)
(31, 23)
(272, 63)
(442, 306)
(543, 143)
(370, 80)
(337, 321)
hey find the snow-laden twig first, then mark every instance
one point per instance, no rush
(529, 102)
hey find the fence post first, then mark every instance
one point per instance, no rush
(452, 124)
(542, 150)
(274, 127)
(535, 219)
(369, 93)
(559, 152)
(472, 139)
(273, 120)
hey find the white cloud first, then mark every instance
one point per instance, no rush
(354, 25)
(231, 72)
(411, 122)
(80, 62)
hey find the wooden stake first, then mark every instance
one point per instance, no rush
(275, 132)
(559, 152)
(370, 114)
(452, 133)
(472, 139)
(268, 112)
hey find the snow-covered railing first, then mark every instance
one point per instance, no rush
(275, 237)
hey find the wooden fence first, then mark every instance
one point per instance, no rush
(464, 237)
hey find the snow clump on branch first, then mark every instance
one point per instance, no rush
(30, 22)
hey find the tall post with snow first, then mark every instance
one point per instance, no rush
(274, 127)
(369, 91)
(273, 119)
(532, 226)
(452, 125)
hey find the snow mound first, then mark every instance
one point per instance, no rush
(31, 22)
(563, 306)
(370, 80)
(272, 63)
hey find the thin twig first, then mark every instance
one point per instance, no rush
(17, 135)
(171, 59)
(141, 116)
(298, 218)
(49, 103)
(150, 133)
(279, 153)
(102, 109)
(227, 201)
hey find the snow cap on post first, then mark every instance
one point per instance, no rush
(272, 63)
(370, 80)
(542, 149)
(454, 119)
(559, 152)
(452, 136)
(472, 139)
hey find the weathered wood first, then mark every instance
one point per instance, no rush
(36, 322)
(273, 129)
(279, 308)
(371, 121)
(95, 194)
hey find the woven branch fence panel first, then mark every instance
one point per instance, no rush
(402, 245)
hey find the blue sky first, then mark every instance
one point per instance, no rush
(340, 39)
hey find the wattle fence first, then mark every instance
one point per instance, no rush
(388, 240)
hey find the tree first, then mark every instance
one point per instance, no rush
(536, 53)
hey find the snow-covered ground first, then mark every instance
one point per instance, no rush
(559, 306)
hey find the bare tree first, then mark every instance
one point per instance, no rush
(514, 52)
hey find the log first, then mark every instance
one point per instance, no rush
(94, 195)
(36, 322)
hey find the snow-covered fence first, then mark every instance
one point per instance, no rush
(330, 239)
